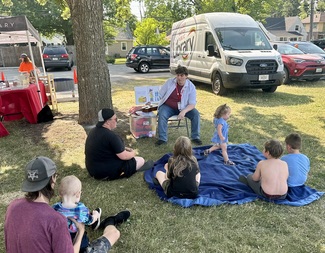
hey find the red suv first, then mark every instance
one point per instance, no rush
(300, 66)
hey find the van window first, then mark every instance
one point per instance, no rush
(209, 40)
(234, 38)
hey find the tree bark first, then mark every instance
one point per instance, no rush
(94, 86)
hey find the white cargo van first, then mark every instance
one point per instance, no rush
(227, 50)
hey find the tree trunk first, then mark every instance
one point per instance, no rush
(94, 86)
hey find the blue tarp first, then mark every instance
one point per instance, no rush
(219, 182)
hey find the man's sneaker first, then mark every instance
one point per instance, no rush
(96, 224)
(197, 141)
(115, 220)
(160, 142)
(155, 181)
(147, 166)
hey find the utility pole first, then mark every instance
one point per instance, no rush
(311, 20)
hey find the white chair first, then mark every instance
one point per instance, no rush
(175, 119)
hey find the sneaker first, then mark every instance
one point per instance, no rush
(160, 142)
(155, 181)
(96, 224)
(231, 163)
(115, 220)
(206, 152)
(197, 141)
(146, 166)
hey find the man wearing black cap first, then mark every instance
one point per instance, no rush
(32, 225)
(106, 155)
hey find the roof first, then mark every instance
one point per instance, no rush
(124, 34)
(318, 18)
(275, 24)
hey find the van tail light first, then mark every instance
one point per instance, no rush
(64, 56)
(133, 56)
(46, 56)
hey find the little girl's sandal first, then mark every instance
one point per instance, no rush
(231, 163)
(206, 152)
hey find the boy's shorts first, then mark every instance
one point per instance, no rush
(100, 245)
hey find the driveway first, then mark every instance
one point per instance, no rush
(118, 73)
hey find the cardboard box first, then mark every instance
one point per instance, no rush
(143, 125)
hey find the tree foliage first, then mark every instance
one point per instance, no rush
(147, 33)
(46, 17)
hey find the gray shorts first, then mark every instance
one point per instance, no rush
(100, 245)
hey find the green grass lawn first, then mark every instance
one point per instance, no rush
(157, 226)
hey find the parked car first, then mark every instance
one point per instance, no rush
(307, 47)
(57, 57)
(298, 65)
(319, 43)
(144, 58)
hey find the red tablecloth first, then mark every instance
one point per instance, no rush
(22, 102)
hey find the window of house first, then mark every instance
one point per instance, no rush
(297, 28)
(123, 46)
(283, 39)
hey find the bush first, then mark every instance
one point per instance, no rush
(110, 59)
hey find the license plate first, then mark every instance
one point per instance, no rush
(55, 59)
(319, 70)
(263, 77)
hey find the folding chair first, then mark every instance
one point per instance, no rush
(175, 119)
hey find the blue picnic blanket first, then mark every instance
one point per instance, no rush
(219, 183)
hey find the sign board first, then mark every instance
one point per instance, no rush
(145, 94)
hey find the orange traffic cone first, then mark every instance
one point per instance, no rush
(3, 77)
(75, 78)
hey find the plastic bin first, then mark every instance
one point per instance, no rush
(64, 84)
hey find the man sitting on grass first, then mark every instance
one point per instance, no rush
(107, 158)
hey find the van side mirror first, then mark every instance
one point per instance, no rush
(210, 50)
(275, 46)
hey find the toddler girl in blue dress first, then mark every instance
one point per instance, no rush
(220, 136)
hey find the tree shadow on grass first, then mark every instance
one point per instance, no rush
(259, 98)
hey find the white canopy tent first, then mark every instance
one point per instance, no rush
(18, 29)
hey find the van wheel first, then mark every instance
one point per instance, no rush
(286, 78)
(144, 67)
(270, 89)
(217, 85)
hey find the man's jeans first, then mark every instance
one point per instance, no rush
(165, 112)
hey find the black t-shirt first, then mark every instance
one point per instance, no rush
(101, 148)
(185, 186)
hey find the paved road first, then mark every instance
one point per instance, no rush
(118, 74)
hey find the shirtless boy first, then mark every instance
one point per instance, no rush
(270, 177)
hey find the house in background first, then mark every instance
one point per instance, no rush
(285, 29)
(122, 44)
(318, 25)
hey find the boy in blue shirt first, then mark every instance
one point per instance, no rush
(298, 164)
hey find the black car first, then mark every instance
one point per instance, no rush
(319, 43)
(143, 58)
(57, 57)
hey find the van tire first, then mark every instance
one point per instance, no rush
(270, 89)
(217, 85)
(144, 67)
